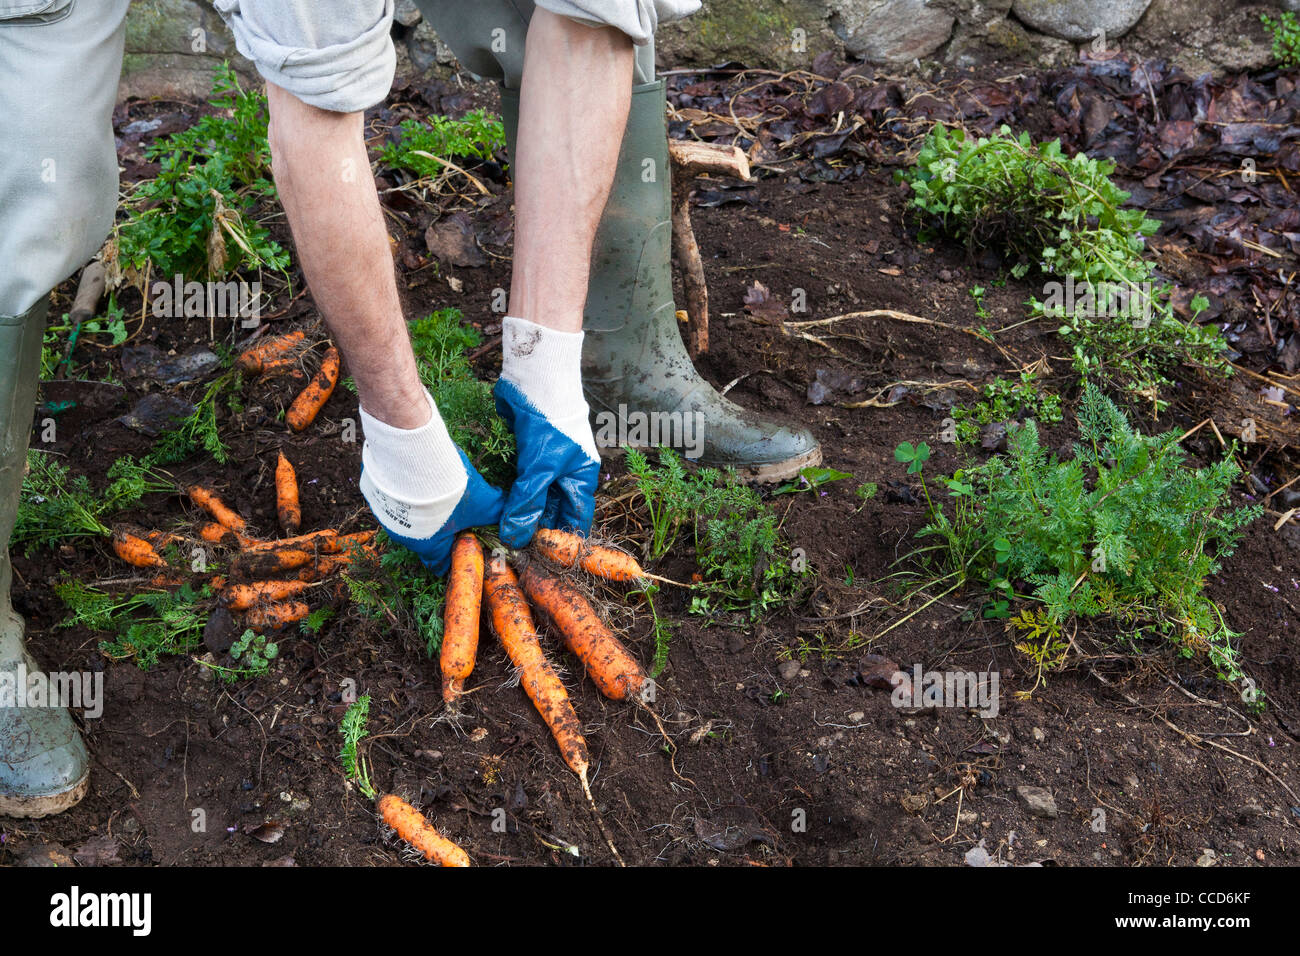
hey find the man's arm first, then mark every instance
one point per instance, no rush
(420, 486)
(323, 175)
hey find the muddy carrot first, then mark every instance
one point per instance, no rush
(611, 667)
(286, 495)
(410, 824)
(514, 626)
(255, 360)
(327, 564)
(268, 617)
(461, 617)
(325, 541)
(160, 539)
(346, 542)
(259, 565)
(285, 365)
(214, 532)
(167, 579)
(241, 597)
(209, 502)
(311, 399)
(136, 551)
(569, 550)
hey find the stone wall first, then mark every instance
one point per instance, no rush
(171, 44)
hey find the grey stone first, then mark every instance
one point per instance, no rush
(783, 34)
(407, 14)
(1006, 41)
(891, 31)
(1080, 20)
(172, 48)
(426, 49)
(1200, 39)
(1038, 802)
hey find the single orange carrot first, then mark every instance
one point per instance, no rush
(214, 532)
(284, 365)
(410, 824)
(325, 541)
(167, 579)
(255, 359)
(258, 565)
(241, 597)
(269, 617)
(461, 617)
(570, 550)
(160, 539)
(286, 495)
(346, 542)
(514, 626)
(311, 399)
(209, 502)
(327, 564)
(611, 667)
(136, 551)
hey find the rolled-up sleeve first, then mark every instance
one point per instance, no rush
(637, 18)
(337, 56)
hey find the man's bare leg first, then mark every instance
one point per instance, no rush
(573, 105)
(323, 176)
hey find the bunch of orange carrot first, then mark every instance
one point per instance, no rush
(279, 354)
(266, 578)
(475, 580)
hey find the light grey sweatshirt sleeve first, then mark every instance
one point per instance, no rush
(333, 54)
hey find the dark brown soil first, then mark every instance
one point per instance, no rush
(816, 767)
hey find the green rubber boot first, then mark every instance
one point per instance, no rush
(635, 367)
(44, 767)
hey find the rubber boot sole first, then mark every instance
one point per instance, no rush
(45, 805)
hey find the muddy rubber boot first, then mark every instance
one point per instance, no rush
(634, 362)
(44, 767)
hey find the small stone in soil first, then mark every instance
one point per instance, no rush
(1037, 801)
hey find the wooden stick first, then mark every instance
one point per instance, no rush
(690, 159)
(687, 253)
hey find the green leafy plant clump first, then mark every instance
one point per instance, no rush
(1063, 216)
(146, 626)
(57, 506)
(1004, 400)
(1285, 30)
(1124, 529)
(354, 731)
(401, 590)
(738, 545)
(196, 217)
(420, 146)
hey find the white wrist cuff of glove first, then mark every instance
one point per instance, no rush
(413, 478)
(546, 365)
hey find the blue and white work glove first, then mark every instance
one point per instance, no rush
(540, 396)
(422, 488)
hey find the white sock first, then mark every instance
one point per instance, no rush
(546, 365)
(413, 477)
